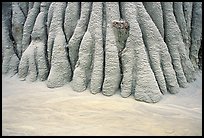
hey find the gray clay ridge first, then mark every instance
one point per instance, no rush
(139, 49)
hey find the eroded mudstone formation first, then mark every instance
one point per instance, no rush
(139, 49)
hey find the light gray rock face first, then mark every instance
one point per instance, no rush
(139, 49)
(18, 19)
(196, 33)
(29, 24)
(154, 9)
(6, 18)
(79, 32)
(24, 6)
(125, 54)
(60, 72)
(82, 70)
(89, 66)
(187, 10)
(150, 38)
(172, 34)
(50, 15)
(40, 37)
(57, 10)
(27, 66)
(146, 88)
(174, 39)
(127, 67)
(157, 50)
(44, 7)
(127, 70)
(71, 18)
(180, 18)
(112, 68)
(10, 60)
(6, 13)
(30, 5)
(96, 30)
(33, 63)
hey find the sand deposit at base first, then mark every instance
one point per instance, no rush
(33, 109)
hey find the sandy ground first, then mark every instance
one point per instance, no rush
(33, 109)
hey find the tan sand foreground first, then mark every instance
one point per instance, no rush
(30, 108)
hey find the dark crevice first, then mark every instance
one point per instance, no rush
(36, 61)
(48, 6)
(192, 18)
(50, 13)
(119, 54)
(10, 24)
(123, 33)
(168, 87)
(67, 39)
(104, 27)
(120, 10)
(46, 39)
(24, 14)
(200, 56)
(79, 10)
(174, 11)
(121, 70)
(15, 47)
(164, 21)
(72, 71)
(51, 50)
(63, 15)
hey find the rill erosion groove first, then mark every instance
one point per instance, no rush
(139, 49)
